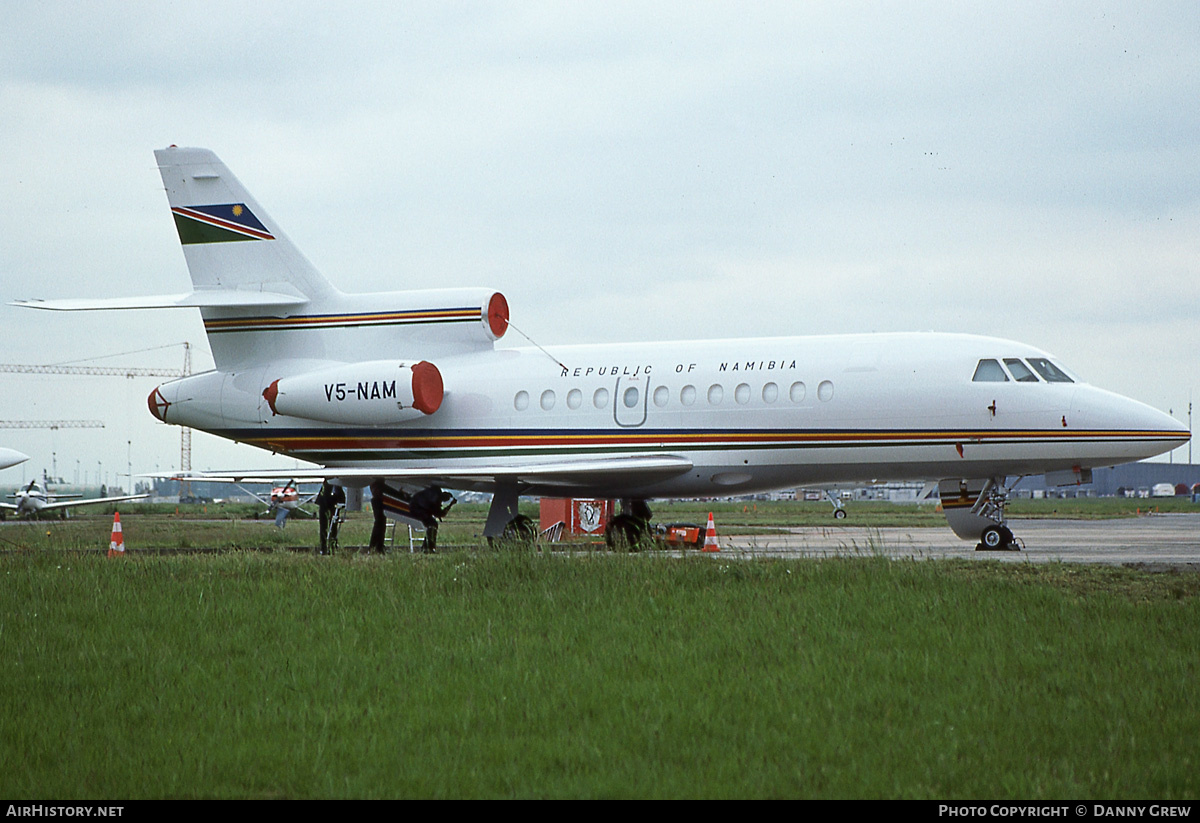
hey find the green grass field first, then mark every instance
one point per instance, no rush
(482, 673)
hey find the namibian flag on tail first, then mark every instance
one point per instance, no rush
(218, 224)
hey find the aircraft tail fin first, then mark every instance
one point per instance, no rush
(229, 241)
(263, 302)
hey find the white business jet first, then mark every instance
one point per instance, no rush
(409, 387)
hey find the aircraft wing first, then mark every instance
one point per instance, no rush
(88, 501)
(8, 507)
(637, 469)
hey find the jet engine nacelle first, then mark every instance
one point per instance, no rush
(376, 392)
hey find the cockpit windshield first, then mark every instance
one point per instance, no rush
(1020, 371)
(1049, 372)
(989, 370)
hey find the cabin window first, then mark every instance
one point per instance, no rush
(521, 401)
(630, 398)
(661, 395)
(715, 394)
(742, 394)
(989, 371)
(796, 392)
(547, 400)
(825, 391)
(770, 393)
(600, 399)
(1020, 371)
(1049, 372)
(687, 396)
(574, 399)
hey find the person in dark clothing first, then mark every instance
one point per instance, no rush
(328, 499)
(429, 506)
(379, 528)
(426, 506)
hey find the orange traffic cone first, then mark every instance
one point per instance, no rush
(710, 536)
(116, 546)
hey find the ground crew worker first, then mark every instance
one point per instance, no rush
(429, 506)
(379, 528)
(328, 499)
(426, 507)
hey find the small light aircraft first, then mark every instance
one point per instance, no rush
(410, 387)
(11, 457)
(34, 500)
(282, 501)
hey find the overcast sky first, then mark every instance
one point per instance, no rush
(619, 171)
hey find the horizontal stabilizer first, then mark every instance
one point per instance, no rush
(226, 299)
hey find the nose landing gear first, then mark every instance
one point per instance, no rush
(975, 510)
(997, 539)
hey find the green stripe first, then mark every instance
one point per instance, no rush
(193, 231)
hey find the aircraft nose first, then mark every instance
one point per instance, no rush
(1146, 430)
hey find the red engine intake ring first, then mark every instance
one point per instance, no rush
(270, 393)
(497, 315)
(427, 387)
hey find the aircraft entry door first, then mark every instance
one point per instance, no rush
(629, 401)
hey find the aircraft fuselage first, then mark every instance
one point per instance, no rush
(748, 415)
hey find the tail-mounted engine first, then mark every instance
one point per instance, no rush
(377, 392)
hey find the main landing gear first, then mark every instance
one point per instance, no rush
(520, 529)
(630, 529)
(505, 523)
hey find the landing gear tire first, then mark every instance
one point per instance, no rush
(996, 539)
(626, 533)
(839, 514)
(519, 530)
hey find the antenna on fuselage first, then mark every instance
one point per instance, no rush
(542, 350)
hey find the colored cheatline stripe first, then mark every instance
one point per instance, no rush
(959, 502)
(225, 223)
(333, 321)
(349, 445)
(394, 505)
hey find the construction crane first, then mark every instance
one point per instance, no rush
(97, 371)
(51, 424)
(185, 437)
